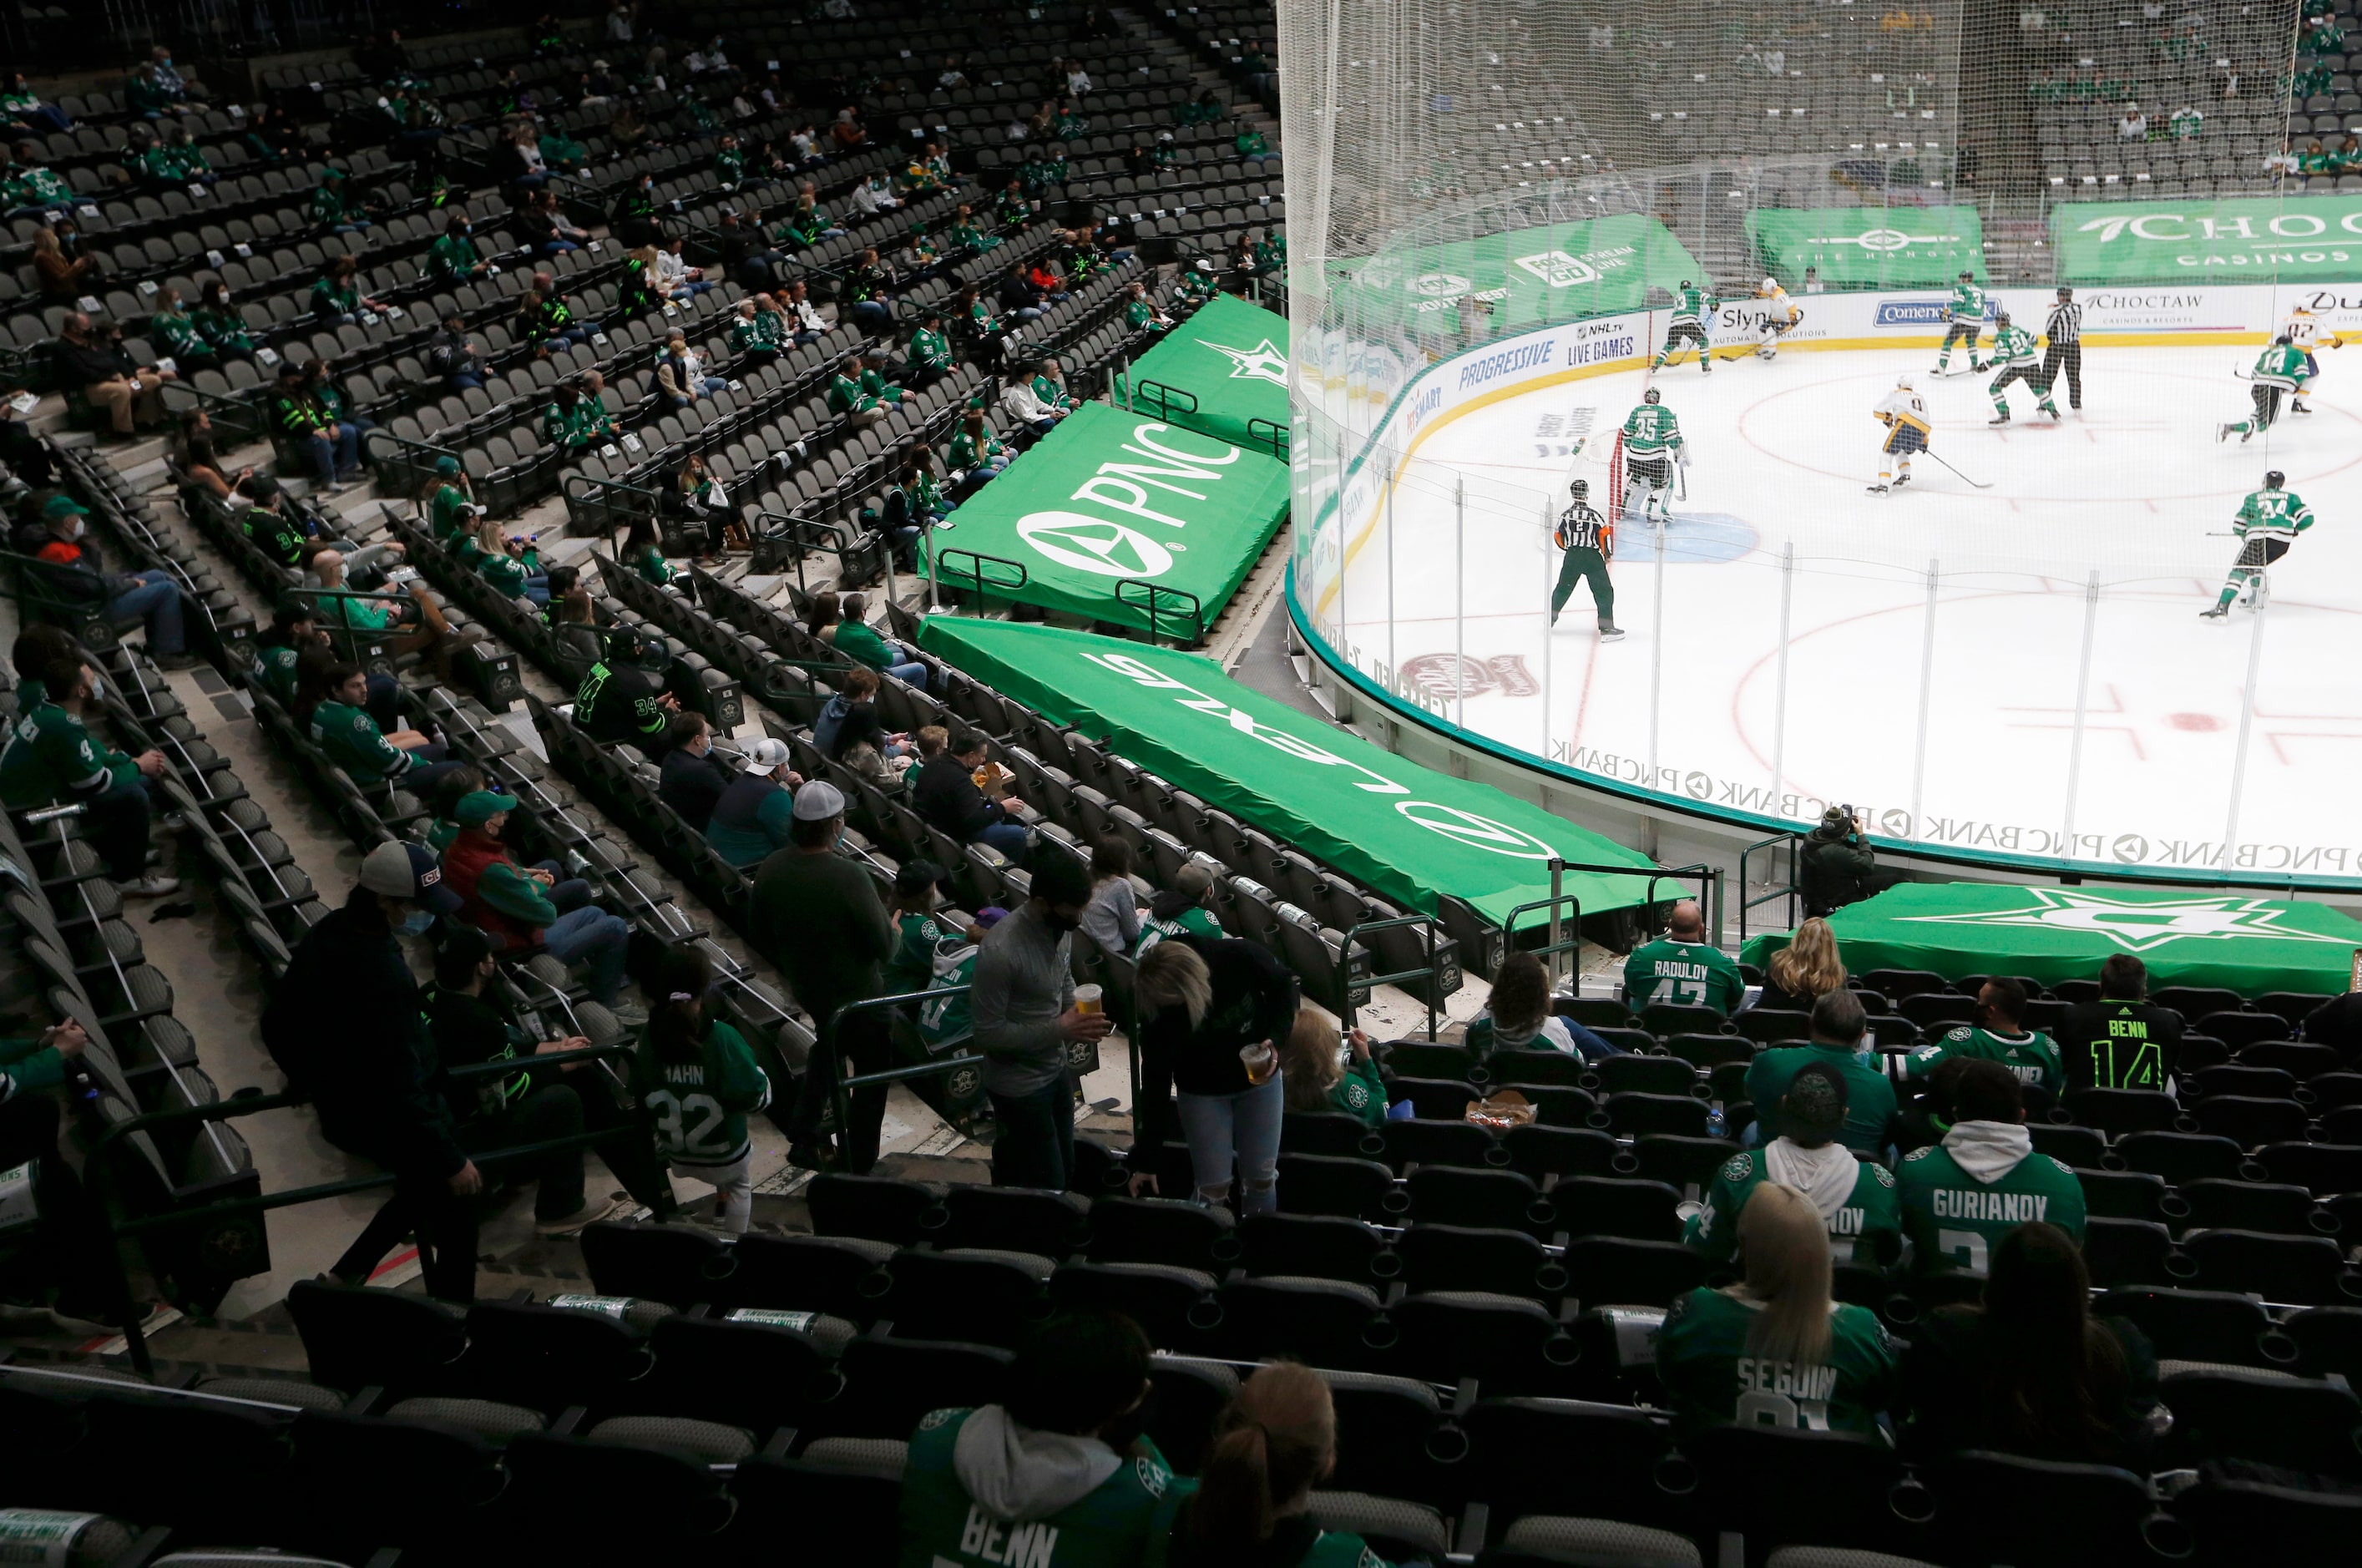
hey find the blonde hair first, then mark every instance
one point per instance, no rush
(488, 537)
(1784, 1245)
(1308, 1059)
(1275, 1442)
(1809, 964)
(1171, 975)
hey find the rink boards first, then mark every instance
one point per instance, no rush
(2014, 675)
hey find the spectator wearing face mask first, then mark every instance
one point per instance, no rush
(518, 906)
(694, 776)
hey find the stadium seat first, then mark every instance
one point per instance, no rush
(1640, 1209)
(1540, 1151)
(1330, 1132)
(1558, 1105)
(1502, 1342)
(1324, 1322)
(1013, 1220)
(836, 1274)
(875, 1208)
(1517, 1462)
(838, 1500)
(891, 1382)
(2133, 1251)
(2178, 1156)
(2201, 1325)
(2241, 1030)
(2087, 1513)
(1164, 1230)
(2271, 1206)
(2081, 1147)
(2265, 1416)
(1542, 1539)
(2303, 1270)
(1436, 1099)
(1494, 1260)
(1175, 1305)
(677, 1264)
(359, 1483)
(973, 1294)
(2302, 1060)
(2122, 1195)
(1419, 1141)
(1612, 1271)
(1777, 1487)
(1502, 1200)
(1326, 1246)
(2250, 1122)
(1394, 1437)
(359, 1339)
(1318, 1184)
(1680, 1163)
(2119, 1112)
(2228, 1517)
(1523, 1069)
(679, 1504)
(756, 1371)
(547, 1357)
(1189, 1395)
(1637, 1114)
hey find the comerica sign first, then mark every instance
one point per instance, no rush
(2294, 238)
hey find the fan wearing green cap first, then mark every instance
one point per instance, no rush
(517, 906)
(447, 495)
(74, 572)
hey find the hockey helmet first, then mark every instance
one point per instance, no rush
(1686, 284)
(2001, 318)
(1579, 489)
(1967, 276)
(2274, 479)
(2282, 341)
(1902, 384)
(1653, 395)
(2065, 291)
(1770, 284)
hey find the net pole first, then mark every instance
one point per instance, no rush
(1549, 647)
(1926, 689)
(1656, 654)
(1459, 601)
(1780, 712)
(2247, 722)
(2083, 707)
(1337, 532)
(1394, 661)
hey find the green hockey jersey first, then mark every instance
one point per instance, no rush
(1694, 304)
(1868, 1230)
(1954, 1221)
(1968, 304)
(2013, 346)
(1704, 1364)
(2032, 1056)
(698, 1110)
(1685, 974)
(2281, 364)
(1125, 1522)
(2277, 513)
(1651, 432)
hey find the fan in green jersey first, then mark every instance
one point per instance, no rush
(1968, 313)
(2268, 523)
(1963, 1196)
(1856, 1199)
(2280, 371)
(1653, 445)
(1693, 308)
(1998, 1036)
(2014, 351)
(1775, 1351)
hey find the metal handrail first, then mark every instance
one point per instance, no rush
(1196, 611)
(941, 564)
(248, 1104)
(842, 1087)
(341, 628)
(1432, 973)
(1789, 891)
(1168, 400)
(596, 508)
(1277, 439)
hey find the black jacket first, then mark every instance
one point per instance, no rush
(346, 1026)
(1832, 873)
(1255, 998)
(1947, 1369)
(86, 364)
(691, 785)
(946, 798)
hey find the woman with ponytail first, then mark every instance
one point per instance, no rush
(1775, 1349)
(698, 1080)
(1276, 1442)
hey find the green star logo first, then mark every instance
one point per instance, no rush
(2137, 927)
(1264, 361)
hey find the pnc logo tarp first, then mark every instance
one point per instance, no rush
(1156, 489)
(1093, 544)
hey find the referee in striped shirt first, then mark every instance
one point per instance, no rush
(2065, 330)
(1584, 534)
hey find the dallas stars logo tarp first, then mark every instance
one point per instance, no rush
(1263, 361)
(2137, 927)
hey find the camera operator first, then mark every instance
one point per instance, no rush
(1839, 868)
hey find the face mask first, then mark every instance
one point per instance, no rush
(416, 924)
(80, 528)
(97, 685)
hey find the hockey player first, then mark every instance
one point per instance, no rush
(2303, 330)
(1693, 308)
(2268, 523)
(1967, 320)
(1589, 543)
(2014, 351)
(1652, 444)
(1904, 414)
(2280, 371)
(1779, 316)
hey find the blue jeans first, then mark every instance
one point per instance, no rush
(118, 818)
(536, 588)
(912, 673)
(1026, 313)
(558, 246)
(566, 894)
(385, 702)
(1243, 1127)
(464, 382)
(592, 936)
(1035, 1145)
(871, 315)
(1010, 838)
(155, 598)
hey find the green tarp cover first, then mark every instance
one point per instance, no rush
(1108, 496)
(1527, 276)
(1869, 248)
(2257, 239)
(1222, 371)
(1407, 832)
(2186, 938)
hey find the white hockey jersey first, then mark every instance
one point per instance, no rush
(1903, 406)
(1776, 303)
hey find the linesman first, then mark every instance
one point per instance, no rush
(1588, 542)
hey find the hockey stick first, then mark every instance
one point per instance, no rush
(1931, 452)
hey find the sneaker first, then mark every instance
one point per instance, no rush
(593, 1209)
(630, 1015)
(172, 822)
(178, 661)
(148, 886)
(334, 487)
(92, 1327)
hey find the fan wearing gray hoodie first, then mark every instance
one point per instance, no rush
(1061, 1475)
(1985, 1180)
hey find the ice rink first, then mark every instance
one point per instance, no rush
(1949, 668)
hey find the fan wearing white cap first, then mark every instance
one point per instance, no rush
(346, 1026)
(751, 817)
(1904, 414)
